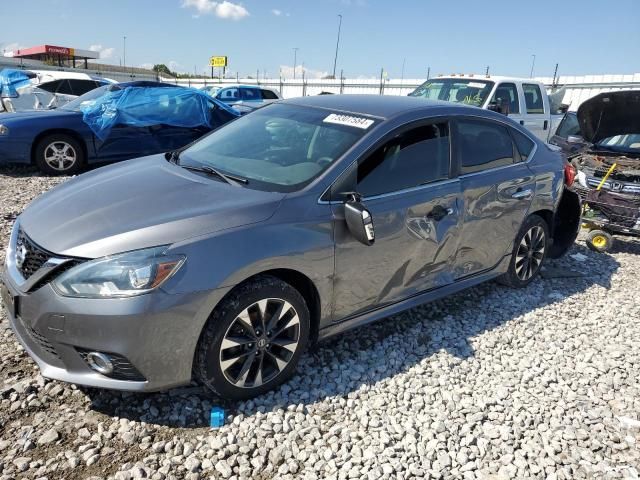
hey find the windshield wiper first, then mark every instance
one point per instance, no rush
(230, 179)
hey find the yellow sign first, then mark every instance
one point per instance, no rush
(218, 61)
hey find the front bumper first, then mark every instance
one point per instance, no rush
(157, 333)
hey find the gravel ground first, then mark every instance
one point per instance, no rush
(489, 383)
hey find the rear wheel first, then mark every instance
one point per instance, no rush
(253, 340)
(599, 241)
(529, 251)
(59, 154)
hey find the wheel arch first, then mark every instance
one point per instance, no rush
(52, 131)
(563, 224)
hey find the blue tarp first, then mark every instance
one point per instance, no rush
(10, 80)
(147, 106)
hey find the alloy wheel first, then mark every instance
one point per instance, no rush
(530, 253)
(60, 155)
(260, 343)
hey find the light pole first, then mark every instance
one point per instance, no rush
(295, 60)
(533, 64)
(124, 51)
(335, 59)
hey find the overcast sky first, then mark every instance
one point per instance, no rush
(461, 36)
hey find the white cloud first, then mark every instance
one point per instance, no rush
(276, 12)
(225, 9)
(7, 49)
(287, 72)
(105, 53)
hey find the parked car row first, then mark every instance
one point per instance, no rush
(222, 261)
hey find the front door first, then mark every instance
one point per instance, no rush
(497, 191)
(414, 204)
(537, 115)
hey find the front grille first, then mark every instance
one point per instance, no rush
(123, 369)
(34, 256)
(45, 345)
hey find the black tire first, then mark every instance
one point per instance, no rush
(68, 163)
(599, 241)
(514, 276)
(225, 324)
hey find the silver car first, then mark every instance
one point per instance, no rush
(308, 217)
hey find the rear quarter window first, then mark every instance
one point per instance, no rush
(523, 143)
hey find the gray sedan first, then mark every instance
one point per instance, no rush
(225, 260)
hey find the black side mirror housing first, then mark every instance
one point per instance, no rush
(359, 221)
(496, 107)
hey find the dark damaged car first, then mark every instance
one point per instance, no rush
(608, 167)
(225, 260)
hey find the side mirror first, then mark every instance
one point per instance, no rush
(359, 221)
(496, 107)
(575, 139)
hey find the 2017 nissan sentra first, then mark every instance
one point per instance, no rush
(223, 261)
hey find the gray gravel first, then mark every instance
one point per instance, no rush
(491, 383)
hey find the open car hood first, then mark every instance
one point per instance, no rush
(610, 114)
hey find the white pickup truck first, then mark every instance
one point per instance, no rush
(524, 100)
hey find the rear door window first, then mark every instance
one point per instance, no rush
(80, 87)
(533, 98)
(416, 157)
(507, 96)
(483, 145)
(250, 94)
(51, 87)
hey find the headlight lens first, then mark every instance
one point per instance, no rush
(4, 130)
(123, 275)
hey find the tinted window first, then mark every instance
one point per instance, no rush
(568, 126)
(483, 145)
(250, 94)
(269, 95)
(228, 95)
(416, 157)
(51, 87)
(64, 88)
(507, 96)
(80, 87)
(523, 143)
(533, 98)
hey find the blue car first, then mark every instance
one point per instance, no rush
(109, 124)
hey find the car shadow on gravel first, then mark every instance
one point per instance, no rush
(362, 358)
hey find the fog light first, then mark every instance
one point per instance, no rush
(100, 362)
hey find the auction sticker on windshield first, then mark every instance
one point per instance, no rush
(350, 121)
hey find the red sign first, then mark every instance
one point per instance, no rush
(58, 50)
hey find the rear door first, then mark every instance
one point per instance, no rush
(406, 185)
(251, 95)
(497, 188)
(537, 114)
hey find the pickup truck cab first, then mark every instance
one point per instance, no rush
(524, 100)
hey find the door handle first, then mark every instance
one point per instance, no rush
(523, 194)
(439, 212)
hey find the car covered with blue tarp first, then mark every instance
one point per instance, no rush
(109, 124)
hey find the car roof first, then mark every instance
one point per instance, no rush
(382, 106)
(148, 83)
(242, 85)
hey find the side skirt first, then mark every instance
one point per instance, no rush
(414, 301)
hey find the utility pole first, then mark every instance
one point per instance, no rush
(124, 51)
(486, 73)
(295, 60)
(533, 64)
(555, 74)
(335, 59)
(428, 72)
(402, 74)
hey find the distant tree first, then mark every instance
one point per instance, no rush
(163, 69)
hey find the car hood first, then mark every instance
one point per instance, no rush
(26, 115)
(610, 114)
(137, 204)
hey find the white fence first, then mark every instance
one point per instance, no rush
(578, 88)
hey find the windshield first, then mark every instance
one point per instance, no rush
(467, 91)
(87, 99)
(629, 143)
(279, 147)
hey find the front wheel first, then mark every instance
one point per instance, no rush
(529, 251)
(59, 154)
(253, 340)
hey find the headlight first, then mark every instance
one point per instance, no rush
(123, 275)
(4, 130)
